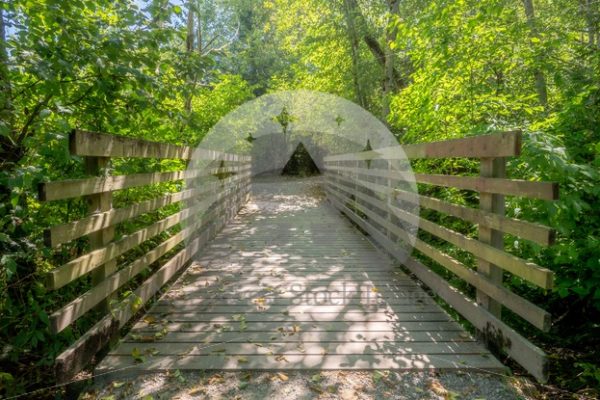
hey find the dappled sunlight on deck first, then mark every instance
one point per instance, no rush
(291, 284)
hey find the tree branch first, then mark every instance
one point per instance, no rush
(379, 55)
(32, 116)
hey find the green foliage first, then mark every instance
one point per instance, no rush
(463, 67)
(98, 65)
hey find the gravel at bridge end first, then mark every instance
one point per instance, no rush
(346, 385)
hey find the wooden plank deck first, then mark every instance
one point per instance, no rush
(290, 284)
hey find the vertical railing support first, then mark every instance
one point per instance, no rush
(98, 203)
(389, 197)
(494, 203)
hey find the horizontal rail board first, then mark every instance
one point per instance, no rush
(533, 314)
(60, 234)
(63, 233)
(397, 175)
(527, 230)
(67, 189)
(507, 144)
(509, 187)
(524, 229)
(85, 143)
(529, 271)
(86, 263)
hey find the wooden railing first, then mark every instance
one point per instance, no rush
(203, 211)
(370, 196)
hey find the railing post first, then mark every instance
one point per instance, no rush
(389, 197)
(98, 203)
(356, 165)
(491, 168)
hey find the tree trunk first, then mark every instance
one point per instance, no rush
(389, 82)
(350, 14)
(5, 87)
(591, 13)
(189, 39)
(189, 47)
(351, 8)
(199, 41)
(9, 154)
(540, 78)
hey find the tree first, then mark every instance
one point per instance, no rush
(538, 74)
(389, 84)
(352, 14)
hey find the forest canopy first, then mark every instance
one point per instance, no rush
(430, 69)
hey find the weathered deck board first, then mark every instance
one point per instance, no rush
(291, 284)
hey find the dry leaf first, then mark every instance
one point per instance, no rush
(260, 301)
(315, 388)
(436, 387)
(216, 379)
(280, 357)
(282, 376)
(195, 391)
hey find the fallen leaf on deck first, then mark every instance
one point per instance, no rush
(282, 376)
(137, 355)
(436, 387)
(246, 376)
(152, 351)
(216, 379)
(315, 388)
(195, 391)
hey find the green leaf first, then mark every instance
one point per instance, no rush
(10, 264)
(137, 355)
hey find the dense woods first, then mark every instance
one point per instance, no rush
(430, 69)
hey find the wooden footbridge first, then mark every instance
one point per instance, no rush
(273, 273)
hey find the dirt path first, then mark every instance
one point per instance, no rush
(344, 385)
